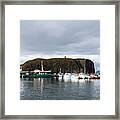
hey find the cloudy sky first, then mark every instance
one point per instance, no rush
(47, 39)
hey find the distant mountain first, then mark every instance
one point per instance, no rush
(66, 65)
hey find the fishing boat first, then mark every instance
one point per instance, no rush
(40, 73)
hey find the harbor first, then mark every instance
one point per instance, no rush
(67, 76)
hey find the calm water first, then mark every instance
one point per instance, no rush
(52, 89)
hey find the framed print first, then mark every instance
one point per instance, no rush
(59, 59)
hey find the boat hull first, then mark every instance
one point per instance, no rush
(38, 76)
(74, 78)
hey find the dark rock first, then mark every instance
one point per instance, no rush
(66, 65)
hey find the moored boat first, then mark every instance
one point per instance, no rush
(94, 76)
(60, 75)
(39, 73)
(67, 76)
(74, 77)
(81, 76)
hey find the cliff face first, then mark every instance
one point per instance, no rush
(66, 65)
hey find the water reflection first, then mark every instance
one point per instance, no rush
(53, 89)
(38, 84)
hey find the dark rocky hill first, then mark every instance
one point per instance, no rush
(66, 65)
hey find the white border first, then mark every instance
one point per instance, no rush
(104, 13)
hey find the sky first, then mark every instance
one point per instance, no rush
(50, 38)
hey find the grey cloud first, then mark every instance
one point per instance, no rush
(62, 37)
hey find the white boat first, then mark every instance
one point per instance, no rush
(94, 76)
(74, 77)
(41, 73)
(67, 77)
(87, 77)
(60, 75)
(81, 76)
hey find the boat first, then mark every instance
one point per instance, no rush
(74, 77)
(67, 77)
(87, 77)
(60, 75)
(94, 76)
(81, 76)
(39, 73)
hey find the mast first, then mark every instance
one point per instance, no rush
(60, 70)
(85, 66)
(42, 66)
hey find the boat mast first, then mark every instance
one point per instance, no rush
(60, 70)
(84, 67)
(42, 65)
